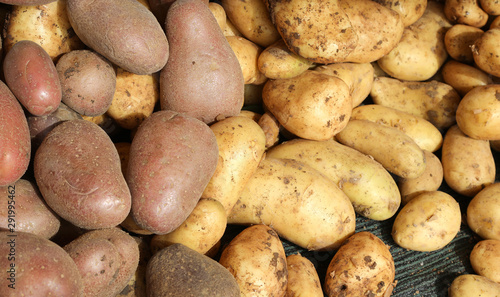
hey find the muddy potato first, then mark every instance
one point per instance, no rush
(257, 260)
(247, 54)
(303, 279)
(312, 105)
(410, 10)
(271, 128)
(463, 77)
(428, 222)
(467, 12)
(363, 266)
(485, 259)
(486, 53)
(77, 170)
(278, 61)
(458, 41)
(468, 163)
(483, 212)
(170, 270)
(471, 285)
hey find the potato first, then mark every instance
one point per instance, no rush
(485, 259)
(180, 271)
(370, 188)
(434, 101)
(134, 98)
(395, 150)
(23, 209)
(125, 32)
(169, 182)
(247, 54)
(40, 90)
(37, 267)
(219, 14)
(106, 260)
(256, 258)
(486, 52)
(203, 77)
(79, 68)
(483, 210)
(241, 144)
(230, 29)
(423, 132)
(478, 114)
(47, 25)
(421, 50)
(136, 286)
(410, 10)
(428, 222)
(430, 180)
(470, 285)
(463, 77)
(303, 279)
(363, 266)
(466, 12)
(252, 20)
(495, 23)
(300, 203)
(458, 41)
(77, 170)
(278, 61)
(468, 163)
(15, 151)
(271, 128)
(201, 231)
(312, 105)
(491, 7)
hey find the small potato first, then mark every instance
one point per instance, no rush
(256, 258)
(468, 163)
(363, 266)
(271, 128)
(483, 212)
(486, 52)
(247, 54)
(395, 150)
(485, 259)
(463, 77)
(303, 279)
(470, 285)
(458, 41)
(410, 10)
(428, 222)
(466, 12)
(278, 61)
(32, 77)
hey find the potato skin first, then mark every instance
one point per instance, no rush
(77, 170)
(303, 279)
(482, 212)
(458, 41)
(15, 150)
(485, 52)
(168, 183)
(40, 90)
(123, 31)
(463, 77)
(485, 259)
(470, 285)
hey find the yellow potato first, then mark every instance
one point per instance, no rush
(485, 259)
(271, 128)
(463, 77)
(303, 279)
(301, 204)
(458, 41)
(486, 52)
(468, 163)
(395, 150)
(466, 12)
(219, 14)
(495, 23)
(434, 101)
(247, 54)
(424, 133)
(371, 189)
(427, 222)
(410, 10)
(471, 285)
(230, 29)
(483, 212)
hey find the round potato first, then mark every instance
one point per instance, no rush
(486, 53)
(467, 12)
(463, 77)
(483, 212)
(485, 259)
(458, 41)
(470, 285)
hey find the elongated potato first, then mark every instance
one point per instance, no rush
(303, 279)
(485, 259)
(395, 150)
(483, 210)
(247, 54)
(468, 163)
(371, 189)
(300, 203)
(423, 132)
(471, 285)
(463, 77)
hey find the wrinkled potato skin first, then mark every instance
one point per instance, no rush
(363, 266)
(247, 54)
(468, 164)
(370, 188)
(410, 10)
(482, 212)
(467, 12)
(486, 52)
(303, 279)
(458, 41)
(463, 77)
(257, 260)
(428, 222)
(485, 259)
(278, 61)
(471, 285)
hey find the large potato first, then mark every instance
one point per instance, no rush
(483, 210)
(485, 259)
(123, 31)
(77, 170)
(471, 285)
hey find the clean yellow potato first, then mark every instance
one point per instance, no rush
(372, 190)
(471, 285)
(466, 12)
(358, 77)
(430, 180)
(478, 114)
(312, 105)
(201, 231)
(410, 10)
(468, 163)
(463, 77)
(301, 204)
(219, 14)
(303, 279)
(421, 50)
(230, 29)
(485, 259)
(458, 41)
(247, 53)
(486, 52)
(434, 101)
(427, 222)
(256, 258)
(241, 143)
(423, 132)
(483, 212)
(395, 150)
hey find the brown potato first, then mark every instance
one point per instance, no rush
(485, 259)
(458, 41)
(483, 210)
(463, 77)
(491, 7)
(486, 53)
(467, 12)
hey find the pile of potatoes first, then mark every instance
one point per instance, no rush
(134, 132)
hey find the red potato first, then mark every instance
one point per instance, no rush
(32, 76)
(15, 143)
